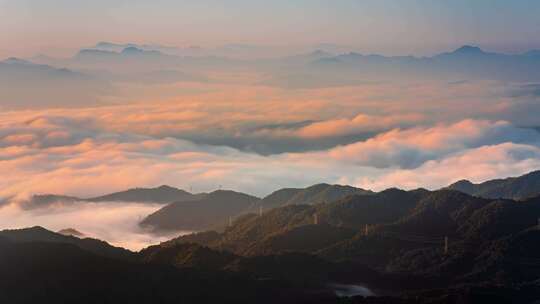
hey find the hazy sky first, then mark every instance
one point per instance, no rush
(385, 26)
(109, 124)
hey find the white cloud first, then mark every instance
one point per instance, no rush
(412, 147)
(477, 164)
(114, 222)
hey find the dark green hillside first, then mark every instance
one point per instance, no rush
(187, 255)
(316, 194)
(39, 234)
(307, 238)
(62, 273)
(358, 210)
(323, 193)
(279, 198)
(439, 213)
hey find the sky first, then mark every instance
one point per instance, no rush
(90, 125)
(417, 27)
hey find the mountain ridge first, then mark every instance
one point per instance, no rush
(519, 187)
(214, 209)
(162, 195)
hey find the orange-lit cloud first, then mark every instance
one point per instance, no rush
(85, 158)
(358, 124)
(258, 138)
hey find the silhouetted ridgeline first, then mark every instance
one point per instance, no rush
(42, 235)
(187, 211)
(520, 187)
(310, 69)
(215, 209)
(160, 195)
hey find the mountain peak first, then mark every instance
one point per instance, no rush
(85, 52)
(225, 192)
(533, 174)
(166, 187)
(463, 182)
(71, 232)
(463, 185)
(105, 44)
(469, 50)
(15, 60)
(320, 53)
(131, 50)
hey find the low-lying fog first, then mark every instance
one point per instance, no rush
(116, 223)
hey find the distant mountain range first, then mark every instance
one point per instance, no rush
(234, 50)
(97, 54)
(118, 47)
(466, 61)
(24, 83)
(24, 70)
(99, 66)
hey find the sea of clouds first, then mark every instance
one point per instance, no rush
(257, 139)
(114, 222)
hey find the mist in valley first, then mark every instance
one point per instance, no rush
(114, 222)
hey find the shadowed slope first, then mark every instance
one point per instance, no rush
(214, 209)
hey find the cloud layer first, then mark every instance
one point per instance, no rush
(83, 155)
(254, 138)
